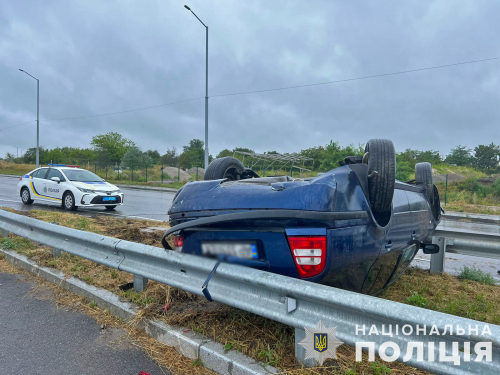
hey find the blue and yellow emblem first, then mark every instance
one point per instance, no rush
(320, 342)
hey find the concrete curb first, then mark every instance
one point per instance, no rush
(154, 188)
(190, 344)
(11, 175)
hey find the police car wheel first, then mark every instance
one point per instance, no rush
(69, 202)
(25, 196)
(109, 208)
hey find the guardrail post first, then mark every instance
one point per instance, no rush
(140, 283)
(56, 252)
(437, 260)
(300, 351)
(4, 233)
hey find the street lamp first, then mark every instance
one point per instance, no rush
(37, 118)
(206, 90)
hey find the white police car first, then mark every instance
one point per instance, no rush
(73, 187)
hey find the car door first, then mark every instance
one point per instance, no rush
(394, 245)
(54, 189)
(37, 183)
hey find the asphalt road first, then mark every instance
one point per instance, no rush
(39, 338)
(141, 204)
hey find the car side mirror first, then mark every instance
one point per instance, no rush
(430, 248)
(56, 179)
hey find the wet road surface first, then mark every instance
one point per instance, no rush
(140, 204)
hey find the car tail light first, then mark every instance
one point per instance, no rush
(309, 254)
(178, 242)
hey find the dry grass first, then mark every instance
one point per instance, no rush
(15, 169)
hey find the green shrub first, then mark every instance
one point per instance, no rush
(476, 275)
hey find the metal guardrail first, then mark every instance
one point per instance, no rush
(296, 303)
(464, 241)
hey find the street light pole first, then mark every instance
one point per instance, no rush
(206, 88)
(37, 118)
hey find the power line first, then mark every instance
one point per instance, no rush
(355, 79)
(15, 126)
(268, 90)
(130, 110)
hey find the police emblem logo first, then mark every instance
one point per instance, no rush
(45, 189)
(320, 342)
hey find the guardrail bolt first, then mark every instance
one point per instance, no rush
(5, 233)
(56, 252)
(140, 283)
(437, 260)
(300, 351)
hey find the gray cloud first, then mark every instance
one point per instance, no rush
(96, 57)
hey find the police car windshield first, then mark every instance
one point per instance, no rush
(81, 175)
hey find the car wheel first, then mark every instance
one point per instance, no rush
(381, 159)
(423, 176)
(69, 201)
(109, 208)
(26, 196)
(228, 167)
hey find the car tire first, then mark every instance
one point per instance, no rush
(109, 208)
(68, 201)
(227, 167)
(26, 196)
(423, 176)
(381, 160)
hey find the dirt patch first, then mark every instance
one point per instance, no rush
(174, 173)
(193, 171)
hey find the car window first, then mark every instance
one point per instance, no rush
(40, 173)
(54, 173)
(81, 175)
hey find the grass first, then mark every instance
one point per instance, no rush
(476, 275)
(461, 296)
(15, 169)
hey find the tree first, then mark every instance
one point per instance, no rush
(135, 158)
(29, 156)
(333, 153)
(154, 155)
(170, 158)
(460, 156)
(193, 155)
(486, 158)
(110, 147)
(11, 158)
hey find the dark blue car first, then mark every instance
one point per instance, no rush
(354, 227)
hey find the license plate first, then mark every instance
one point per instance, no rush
(237, 249)
(109, 199)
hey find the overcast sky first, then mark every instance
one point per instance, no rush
(95, 57)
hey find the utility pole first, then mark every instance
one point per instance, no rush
(206, 88)
(37, 118)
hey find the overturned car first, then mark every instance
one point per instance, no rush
(355, 227)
